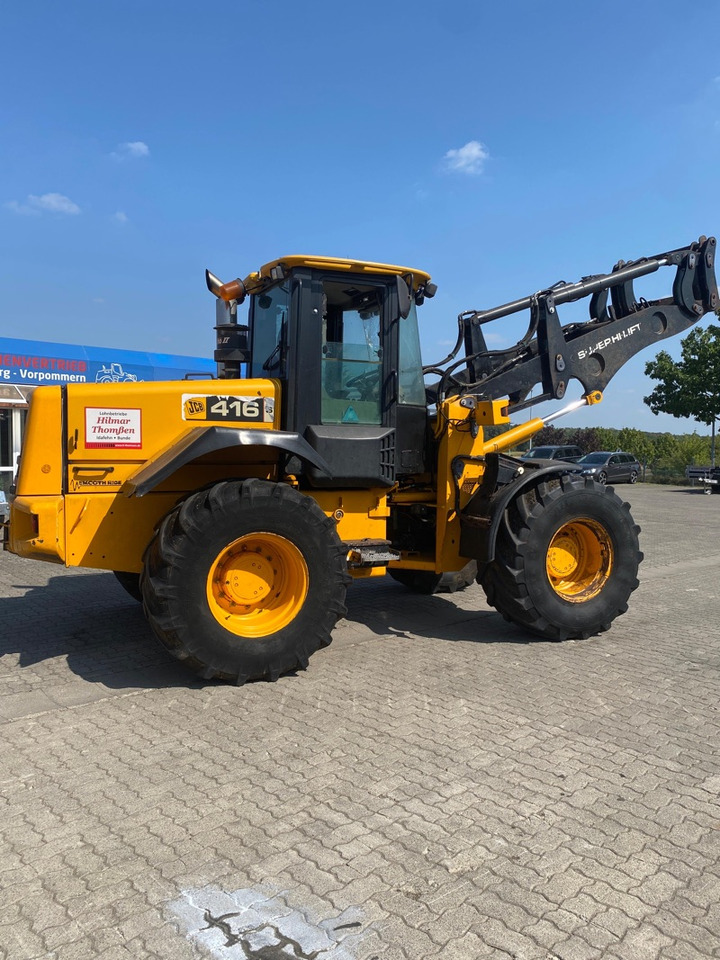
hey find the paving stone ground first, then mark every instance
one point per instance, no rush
(436, 784)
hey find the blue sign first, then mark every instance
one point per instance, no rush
(35, 363)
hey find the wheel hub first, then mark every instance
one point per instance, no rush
(579, 560)
(247, 578)
(257, 584)
(563, 556)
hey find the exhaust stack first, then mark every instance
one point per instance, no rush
(234, 290)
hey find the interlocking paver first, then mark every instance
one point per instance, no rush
(436, 784)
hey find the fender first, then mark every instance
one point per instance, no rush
(202, 440)
(480, 520)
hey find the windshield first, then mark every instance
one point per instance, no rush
(594, 458)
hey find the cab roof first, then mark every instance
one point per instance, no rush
(271, 271)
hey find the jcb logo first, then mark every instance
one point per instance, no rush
(195, 408)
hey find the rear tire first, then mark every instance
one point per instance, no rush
(426, 582)
(633, 476)
(419, 581)
(457, 580)
(566, 559)
(130, 582)
(245, 580)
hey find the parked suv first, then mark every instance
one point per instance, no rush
(553, 453)
(617, 467)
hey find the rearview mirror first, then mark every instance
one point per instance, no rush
(404, 301)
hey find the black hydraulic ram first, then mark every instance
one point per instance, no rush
(591, 351)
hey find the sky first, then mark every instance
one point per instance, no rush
(499, 147)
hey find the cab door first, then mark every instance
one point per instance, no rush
(359, 399)
(343, 335)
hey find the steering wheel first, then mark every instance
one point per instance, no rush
(367, 384)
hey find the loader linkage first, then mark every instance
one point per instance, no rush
(591, 351)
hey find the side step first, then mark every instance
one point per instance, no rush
(370, 553)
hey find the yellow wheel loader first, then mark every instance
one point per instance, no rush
(238, 508)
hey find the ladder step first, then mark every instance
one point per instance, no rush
(370, 553)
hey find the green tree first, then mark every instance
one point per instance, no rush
(689, 387)
(548, 436)
(666, 446)
(607, 438)
(584, 437)
(637, 443)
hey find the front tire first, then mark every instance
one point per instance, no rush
(566, 559)
(245, 580)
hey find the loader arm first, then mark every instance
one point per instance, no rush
(592, 351)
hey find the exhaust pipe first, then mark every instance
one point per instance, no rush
(234, 290)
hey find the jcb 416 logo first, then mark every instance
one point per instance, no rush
(228, 408)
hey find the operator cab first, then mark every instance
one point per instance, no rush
(342, 338)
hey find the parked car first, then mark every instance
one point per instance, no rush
(553, 453)
(604, 466)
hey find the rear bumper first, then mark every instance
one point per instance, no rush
(36, 528)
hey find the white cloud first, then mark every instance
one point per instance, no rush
(467, 159)
(47, 203)
(22, 208)
(55, 203)
(120, 217)
(131, 150)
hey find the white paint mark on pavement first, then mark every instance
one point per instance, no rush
(255, 924)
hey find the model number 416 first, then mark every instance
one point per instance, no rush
(236, 408)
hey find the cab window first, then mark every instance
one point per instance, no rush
(351, 353)
(269, 332)
(411, 386)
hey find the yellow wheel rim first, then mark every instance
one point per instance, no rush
(579, 560)
(257, 585)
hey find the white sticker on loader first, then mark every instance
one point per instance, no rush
(223, 407)
(107, 427)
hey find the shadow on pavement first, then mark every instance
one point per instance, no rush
(390, 609)
(95, 625)
(89, 620)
